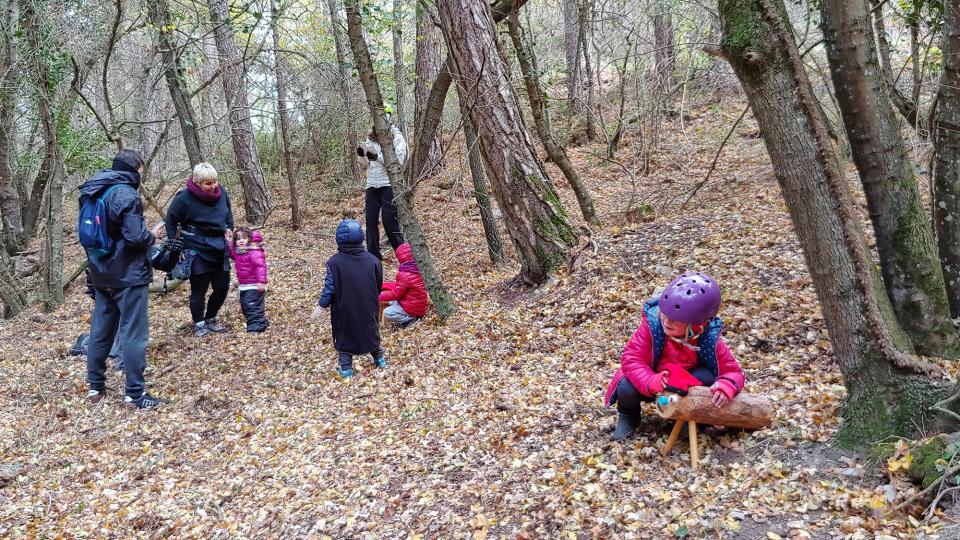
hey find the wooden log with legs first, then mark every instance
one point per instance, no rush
(747, 411)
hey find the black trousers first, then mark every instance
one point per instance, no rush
(346, 359)
(201, 308)
(629, 399)
(252, 304)
(379, 201)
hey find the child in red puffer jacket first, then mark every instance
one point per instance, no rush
(677, 345)
(407, 296)
(246, 248)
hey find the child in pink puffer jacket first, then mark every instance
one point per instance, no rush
(246, 249)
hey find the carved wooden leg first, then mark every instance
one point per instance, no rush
(694, 453)
(673, 438)
(380, 315)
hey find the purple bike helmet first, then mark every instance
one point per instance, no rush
(692, 298)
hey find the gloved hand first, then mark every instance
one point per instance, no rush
(173, 244)
(371, 156)
(360, 151)
(316, 313)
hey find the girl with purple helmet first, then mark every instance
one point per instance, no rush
(677, 345)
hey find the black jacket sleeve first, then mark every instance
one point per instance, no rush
(174, 217)
(129, 209)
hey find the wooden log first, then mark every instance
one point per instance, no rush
(674, 435)
(747, 411)
(694, 453)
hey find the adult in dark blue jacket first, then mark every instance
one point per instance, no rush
(120, 281)
(351, 290)
(204, 214)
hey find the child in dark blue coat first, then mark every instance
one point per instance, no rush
(351, 290)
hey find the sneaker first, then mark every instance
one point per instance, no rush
(78, 348)
(145, 401)
(346, 374)
(95, 396)
(380, 362)
(200, 329)
(214, 325)
(409, 323)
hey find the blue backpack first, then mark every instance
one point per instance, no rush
(92, 225)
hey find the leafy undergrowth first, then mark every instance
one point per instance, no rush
(490, 425)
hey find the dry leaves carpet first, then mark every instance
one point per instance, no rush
(490, 425)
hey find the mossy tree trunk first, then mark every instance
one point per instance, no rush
(494, 243)
(946, 176)
(441, 299)
(534, 216)
(541, 119)
(908, 255)
(888, 392)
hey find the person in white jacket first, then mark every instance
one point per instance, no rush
(379, 192)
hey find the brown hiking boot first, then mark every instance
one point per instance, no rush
(95, 396)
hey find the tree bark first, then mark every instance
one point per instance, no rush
(946, 174)
(664, 51)
(11, 290)
(541, 120)
(158, 13)
(441, 299)
(888, 392)
(490, 231)
(53, 275)
(399, 71)
(257, 200)
(586, 10)
(533, 213)
(428, 67)
(571, 51)
(901, 103)
(908, 254)
(351, 165)
(283, 116)
(12, 221)
(438, 94)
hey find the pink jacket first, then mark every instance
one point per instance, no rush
(637, 364)
(252, 264)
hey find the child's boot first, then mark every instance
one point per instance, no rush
(345, 370)
(626, 425)
(345, 374)
(379, 357)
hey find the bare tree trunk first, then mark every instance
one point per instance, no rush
(53, 278)
(12, 225)
(535, 218)
(399, 71)
(888, 392)
(904, 106)
(905, 243)
(11, 290)
(428, 67)
(490, 231)
(158, 13)
(257, 200)
(946, 174)
(351, 166)
(438, 94)
(571, 47)
(664, 52)
(284, 117)
(586, 10)
(441, 299)
(541, 119)
(916, 69)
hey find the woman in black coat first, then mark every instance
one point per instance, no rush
(203, 213)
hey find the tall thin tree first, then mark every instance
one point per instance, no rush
(439, 296)
(283, 115)
(257, 200)
(535, 217)
(351, 166)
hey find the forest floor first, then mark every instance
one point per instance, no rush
(490, 425)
